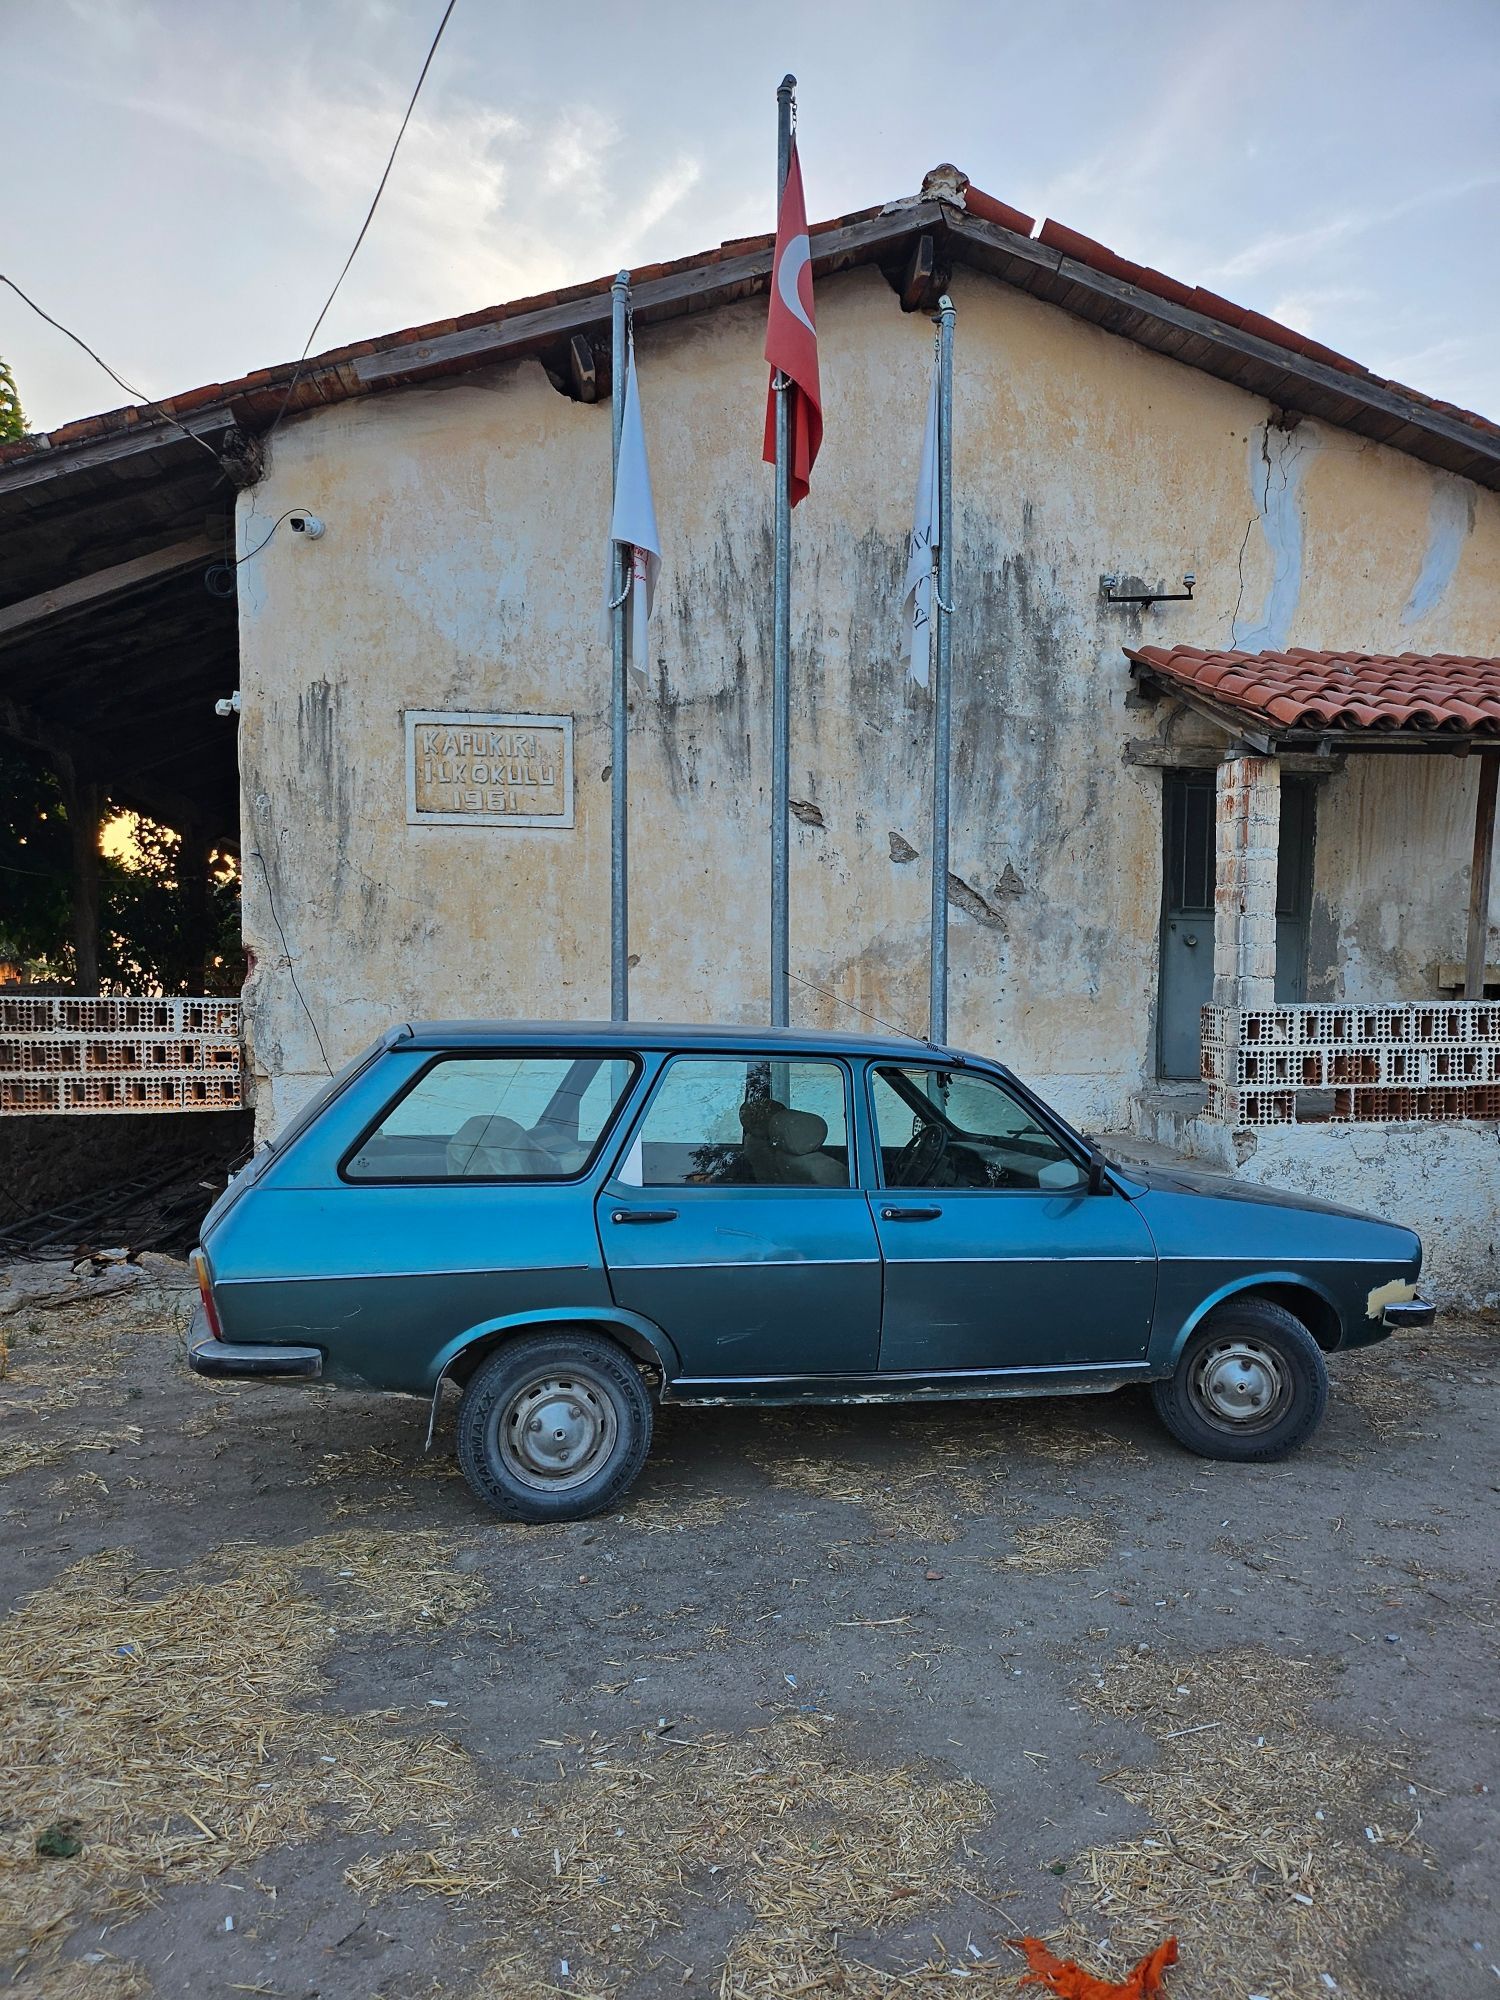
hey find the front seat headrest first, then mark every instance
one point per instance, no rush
(796, 1132)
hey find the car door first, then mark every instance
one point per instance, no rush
(997, 1254)
(733, 1219)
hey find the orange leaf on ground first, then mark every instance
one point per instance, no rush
(1069, 1981)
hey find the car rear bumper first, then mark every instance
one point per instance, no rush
(1409, 1312)
(207, 1356)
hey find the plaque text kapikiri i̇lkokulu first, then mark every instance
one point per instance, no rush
(489, 770)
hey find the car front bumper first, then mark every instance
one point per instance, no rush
(218, 1358)
(1408, 1312)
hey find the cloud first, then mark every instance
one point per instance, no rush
(1296, 246)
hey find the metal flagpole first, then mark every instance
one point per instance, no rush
(619, 796)
(781, 629)
(942, 597)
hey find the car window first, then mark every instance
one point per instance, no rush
(496, 1117)
(749, 1121)
(950, 1128)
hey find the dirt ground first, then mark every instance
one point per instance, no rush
(840, 1702)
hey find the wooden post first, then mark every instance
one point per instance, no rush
(1479, 875)
(81, 796)
(196, 854)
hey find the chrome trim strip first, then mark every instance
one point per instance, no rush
(1111, 1368)
(384, 1277)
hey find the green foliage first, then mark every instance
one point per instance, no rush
(145, 921)
(145, 945)
(12, 416)
(34, 870)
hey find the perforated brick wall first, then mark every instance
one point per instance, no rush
(91, 1056)
(1422, 1062)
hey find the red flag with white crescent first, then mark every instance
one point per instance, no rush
(792, 337)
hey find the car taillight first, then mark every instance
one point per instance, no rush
(206, 1293)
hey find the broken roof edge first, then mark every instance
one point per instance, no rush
(1053, 262)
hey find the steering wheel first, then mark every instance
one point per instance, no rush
(919, 1157)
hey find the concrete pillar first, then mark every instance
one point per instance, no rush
(1248, 832)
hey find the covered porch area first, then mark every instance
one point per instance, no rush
(1381, 1087)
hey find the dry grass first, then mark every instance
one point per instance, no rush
(1266, 1849)
(796, 1845)
(933, 1471)
(166, 1718)
(1069, 1542)
(63, 1358)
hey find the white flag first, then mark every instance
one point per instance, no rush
(926, 533)
(634, 521)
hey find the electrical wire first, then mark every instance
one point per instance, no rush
(369, 218)
(128, 387)
(230, 564)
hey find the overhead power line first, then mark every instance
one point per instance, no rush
(149, 402)
(369, 216)
(128, 387)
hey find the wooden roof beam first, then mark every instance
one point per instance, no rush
(85, 593)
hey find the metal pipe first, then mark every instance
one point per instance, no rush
(781, 636)
(619, 712)
(942, 692)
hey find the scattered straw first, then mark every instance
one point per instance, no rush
(1066, 1543)
(1265, 1849)
(602, 1862)
(167, 1716)
(927, 1472)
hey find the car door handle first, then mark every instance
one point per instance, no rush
(644, 1215)
(910, 1214)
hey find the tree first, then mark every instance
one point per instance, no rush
(35, 870)
(12, 416)
(152, 939)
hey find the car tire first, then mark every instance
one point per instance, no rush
(1251, 1384)
(554, 1427)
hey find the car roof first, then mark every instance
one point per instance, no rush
(660, 1035)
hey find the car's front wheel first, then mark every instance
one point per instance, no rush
(1251, 1384)
(554, 1427)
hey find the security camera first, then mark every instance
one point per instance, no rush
(228, 705)
(306, 524)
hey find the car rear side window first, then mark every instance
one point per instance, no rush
(748, 1121)
(501, 1117)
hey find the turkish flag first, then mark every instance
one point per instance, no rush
(792, 338)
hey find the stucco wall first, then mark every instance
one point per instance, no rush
(461, 569)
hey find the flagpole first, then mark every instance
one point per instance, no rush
(937, 1010)
(619, 745)
(781, 632)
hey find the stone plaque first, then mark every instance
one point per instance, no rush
(488, 770)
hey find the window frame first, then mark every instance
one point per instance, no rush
(1069, 1142)
(495, 1053)
(854, 1141)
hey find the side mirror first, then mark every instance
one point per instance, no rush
(1097, 1165)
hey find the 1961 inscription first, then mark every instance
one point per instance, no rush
(488, 770)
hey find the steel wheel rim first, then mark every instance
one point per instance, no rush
(1240, 1385)
(555, 1433)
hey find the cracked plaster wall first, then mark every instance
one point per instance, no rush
(460, 569)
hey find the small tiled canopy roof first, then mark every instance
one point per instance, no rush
(1396, 694)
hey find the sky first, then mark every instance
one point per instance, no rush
(183, 178)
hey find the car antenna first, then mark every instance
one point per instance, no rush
(890, 1028)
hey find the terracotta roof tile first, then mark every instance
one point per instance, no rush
(985, 206)
(325, 377)
(1340, 691)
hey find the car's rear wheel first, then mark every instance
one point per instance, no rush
(1251, 1384)
(554, 1427)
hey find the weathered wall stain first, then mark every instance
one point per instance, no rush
(1449, 525)
(1279, 452)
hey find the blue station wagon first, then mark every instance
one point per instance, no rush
(572, 1221)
